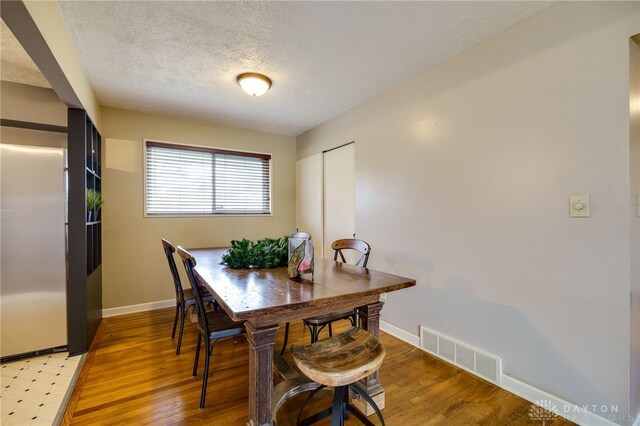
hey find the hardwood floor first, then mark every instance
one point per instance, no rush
(132, 376)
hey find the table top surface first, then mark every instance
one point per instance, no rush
(251, 293)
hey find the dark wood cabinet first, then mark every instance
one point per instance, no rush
(84, 281)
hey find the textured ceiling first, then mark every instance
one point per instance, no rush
(181, 57)
(15, 63)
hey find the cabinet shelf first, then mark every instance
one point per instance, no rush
(93, 173)
(84, 288)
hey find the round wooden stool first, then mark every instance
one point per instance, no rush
(340, 362)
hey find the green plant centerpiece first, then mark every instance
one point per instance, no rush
(94, 203)
(94, 199)
(265, 253)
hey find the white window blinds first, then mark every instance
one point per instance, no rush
(185, 180)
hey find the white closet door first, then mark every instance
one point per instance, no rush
(309, 198)
(339, 196)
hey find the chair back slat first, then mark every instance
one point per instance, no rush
(169, 250)
(189, 263)
(352, 244)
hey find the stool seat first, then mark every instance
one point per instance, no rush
(340, 360)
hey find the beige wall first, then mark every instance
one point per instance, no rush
(33, 104)
(134, 269)
(463, 176)
(30, 103)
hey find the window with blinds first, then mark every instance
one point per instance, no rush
(187, 180)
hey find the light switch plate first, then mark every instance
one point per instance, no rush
(579, 205)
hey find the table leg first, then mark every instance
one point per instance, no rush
(369, 317)
(261, 341)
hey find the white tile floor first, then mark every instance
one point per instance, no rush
(34, 389)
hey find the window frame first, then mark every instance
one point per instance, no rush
(204, 148)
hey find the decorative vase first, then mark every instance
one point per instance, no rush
(300, 255)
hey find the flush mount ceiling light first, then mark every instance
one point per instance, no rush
(253, 83)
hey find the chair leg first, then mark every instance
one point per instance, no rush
(363, 393)
(314, 418)
(286, 339)
(183, 314)
(195, 363)
(175, 321)
(330, 331)
(207, 356)
(345, 404)
(337, 414)
(315, 331)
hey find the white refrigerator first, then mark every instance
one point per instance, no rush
(33, 314)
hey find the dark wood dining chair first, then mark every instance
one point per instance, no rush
(318, 323)
(212, 326)
(340, 362)
(352, 245)
(184, 297)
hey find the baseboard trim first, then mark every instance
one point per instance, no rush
(532, 394)
(565, 409)
(401, 334)
(141, 307)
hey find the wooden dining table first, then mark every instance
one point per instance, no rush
(265, 298)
